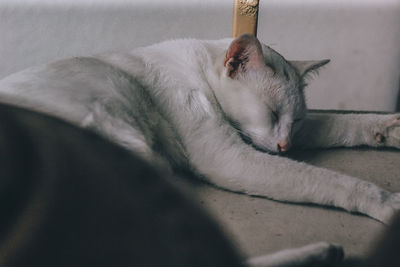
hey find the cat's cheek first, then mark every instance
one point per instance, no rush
(266, 146)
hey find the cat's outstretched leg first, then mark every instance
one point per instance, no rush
(318, 254)
(330, 129)
(226, 161)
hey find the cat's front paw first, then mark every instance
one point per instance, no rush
(391, 206)
(388, 132)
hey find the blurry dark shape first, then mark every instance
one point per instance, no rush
(70, 198)
(386, 252)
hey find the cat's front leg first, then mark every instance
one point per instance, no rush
(218, 153)
(330, 129)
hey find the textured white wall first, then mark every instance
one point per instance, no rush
(362, 37)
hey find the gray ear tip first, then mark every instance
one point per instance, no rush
(325, 61)
(319, 64)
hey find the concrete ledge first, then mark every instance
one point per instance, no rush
(260, 226)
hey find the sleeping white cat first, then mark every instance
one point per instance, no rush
(224, 109)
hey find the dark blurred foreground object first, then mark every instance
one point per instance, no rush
(387, 251)
(70, 198)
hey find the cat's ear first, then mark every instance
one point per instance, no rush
(307, 67)
(244, 53)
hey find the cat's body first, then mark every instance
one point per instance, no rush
(214, 107)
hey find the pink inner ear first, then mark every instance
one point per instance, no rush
(236, 52)
(244, 52)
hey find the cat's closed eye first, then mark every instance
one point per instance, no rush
(286, 75)
(275, 116)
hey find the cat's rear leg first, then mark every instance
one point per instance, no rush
(317, 254)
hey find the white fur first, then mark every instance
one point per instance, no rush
(170, 102)
(182, 89)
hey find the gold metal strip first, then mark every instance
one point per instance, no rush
(245, 16)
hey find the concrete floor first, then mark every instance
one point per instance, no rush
(259, 226)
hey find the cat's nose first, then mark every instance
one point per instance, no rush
(283, 146)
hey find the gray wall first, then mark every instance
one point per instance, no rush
(361, 37)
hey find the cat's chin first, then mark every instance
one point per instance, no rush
(266, 150)
(257, 147)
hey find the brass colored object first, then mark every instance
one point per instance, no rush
(245, 16)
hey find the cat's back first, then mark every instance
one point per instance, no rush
(181, 63)
(66, 88)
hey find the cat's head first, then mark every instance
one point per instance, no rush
(262, 93)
